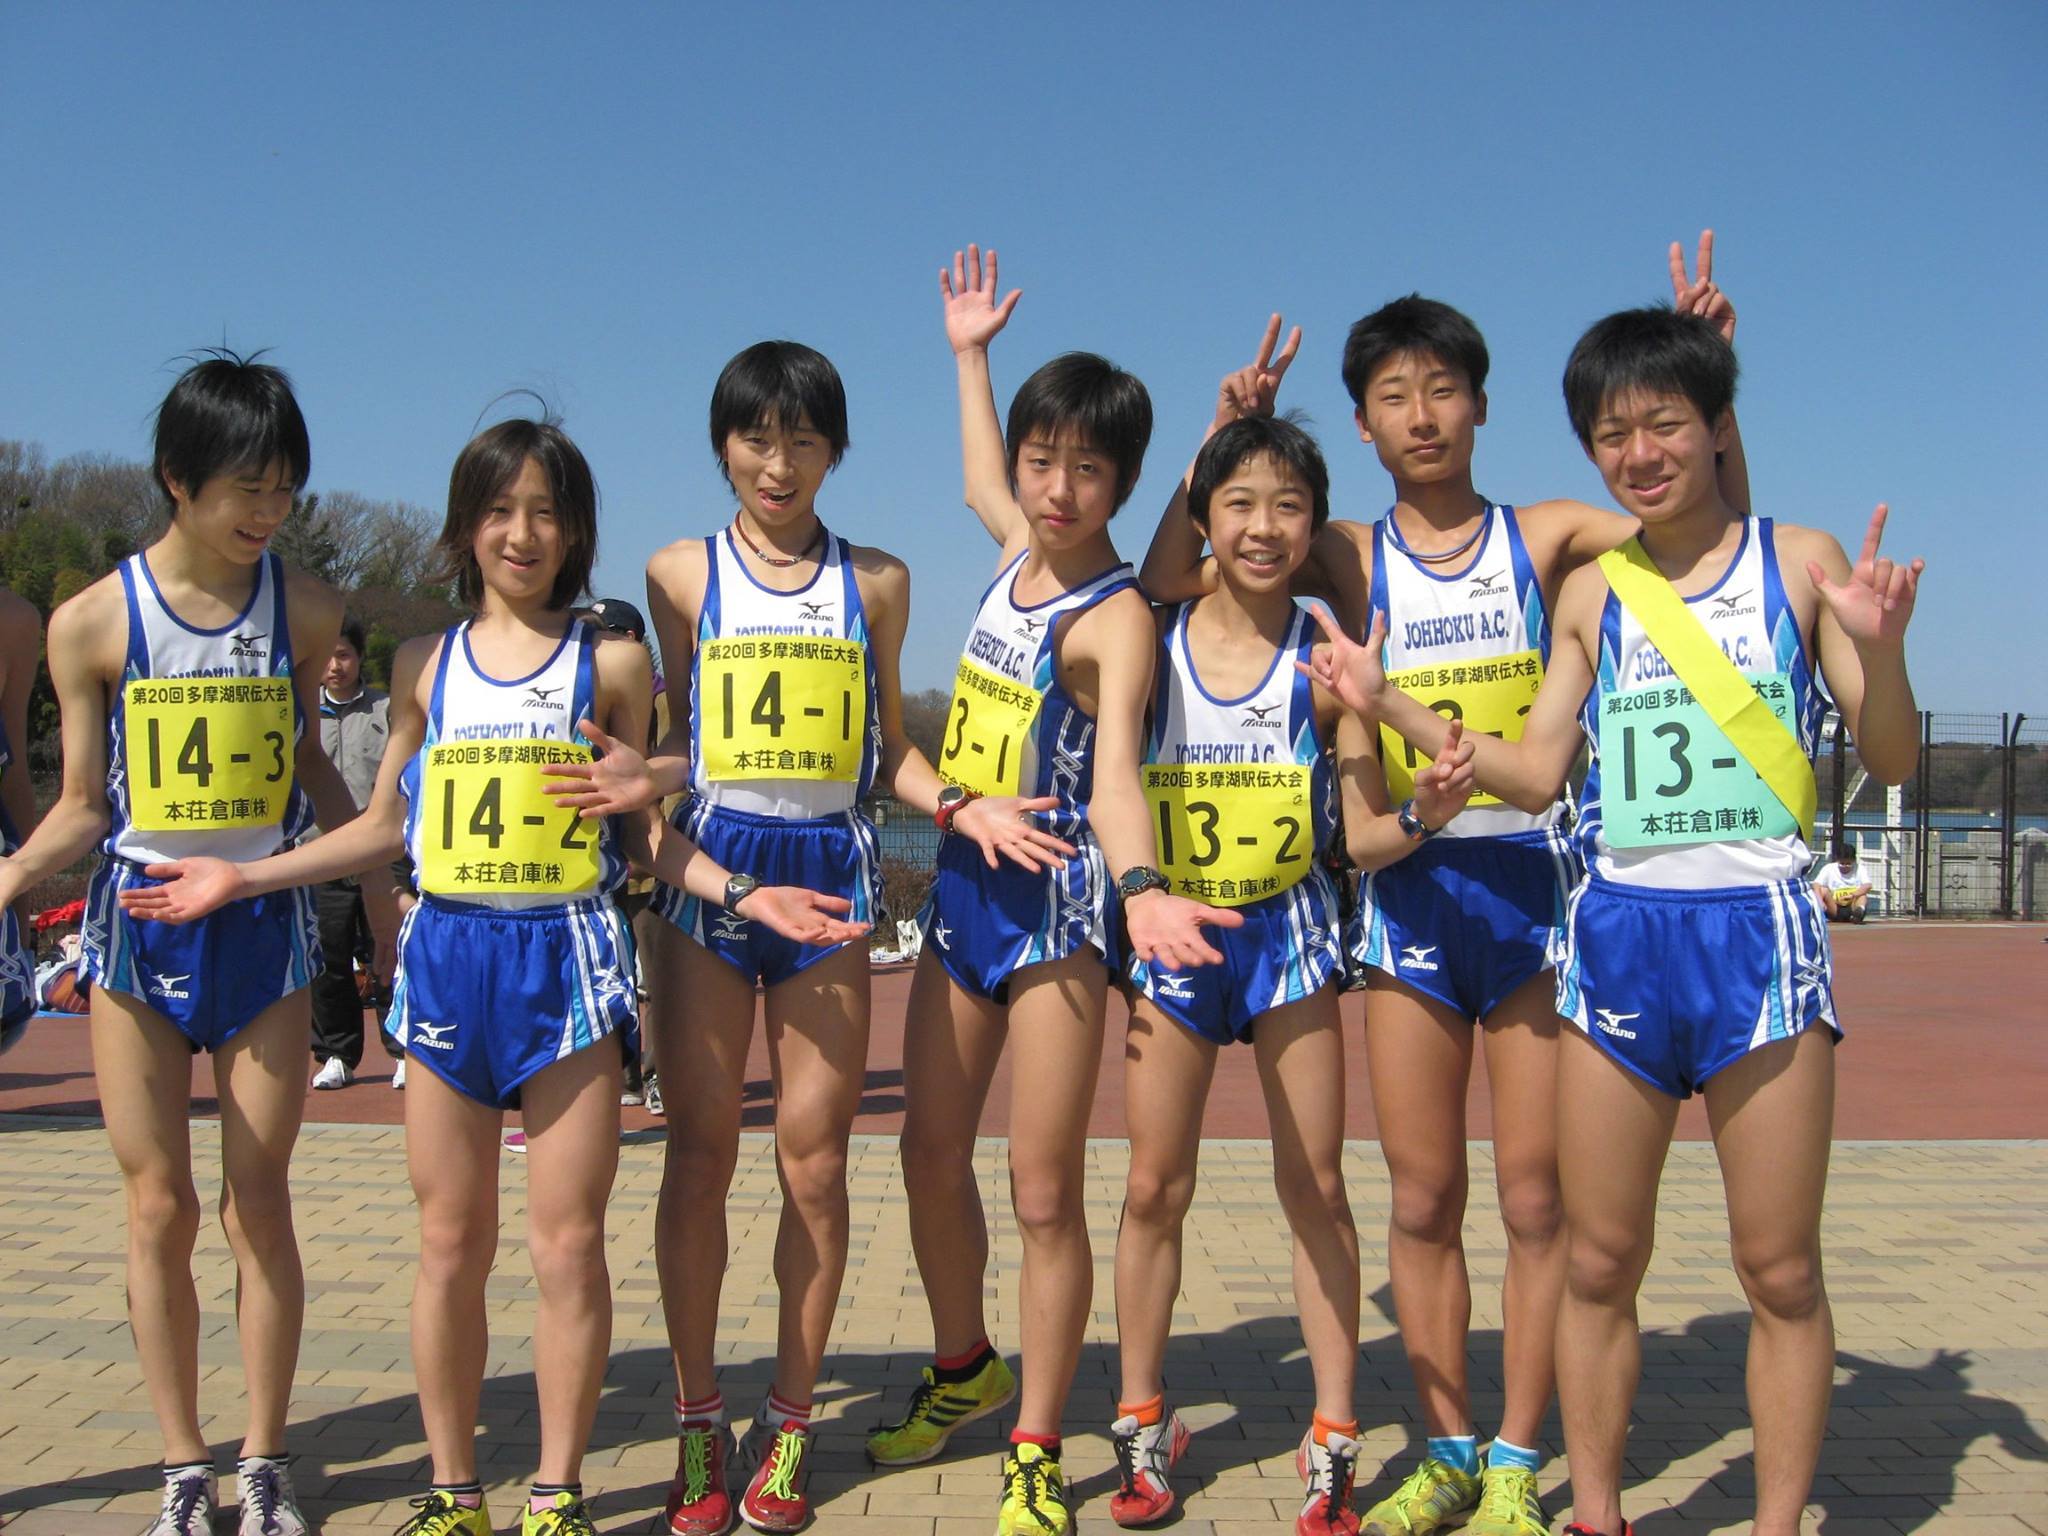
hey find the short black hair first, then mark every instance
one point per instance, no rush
(1655, 349)
(489, 463)
(228, 413)
(1089, 398)
(1279, 438)
(783, 381)
(1419, 325)
(1844, 851)
(352, 632)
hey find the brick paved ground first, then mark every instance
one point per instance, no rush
(1939, 1271)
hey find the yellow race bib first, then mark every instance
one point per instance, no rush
(1231, 835)
(1492, 696)
(206, 753)
(987, 725)
(486, 826)
(782, 707)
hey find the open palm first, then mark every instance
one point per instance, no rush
(611, 785)
(973, 317)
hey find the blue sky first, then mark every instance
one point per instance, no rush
(420, 207)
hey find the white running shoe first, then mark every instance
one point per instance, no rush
(189, 1501)
(333, 1073)
(398, 1074)
(270, 1505)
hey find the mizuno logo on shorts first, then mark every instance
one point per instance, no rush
(429, 1035)
(1174, 987)
(1610, 1022)
(942, 935)
(729, 925)
(1415, 957)
(167, 986)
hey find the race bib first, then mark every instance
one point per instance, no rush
(782, 707)
(486, 826)
(1668, 774)
(987, 724)
(1491, 696)
(1230, 835)
(202, 753)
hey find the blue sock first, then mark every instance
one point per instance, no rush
(1503, 1453)
(1460, 1451)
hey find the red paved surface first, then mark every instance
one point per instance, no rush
(1948, 1038)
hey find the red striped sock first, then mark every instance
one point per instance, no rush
(780, 1409)
(709, 1409)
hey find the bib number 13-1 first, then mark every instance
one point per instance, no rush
(486, 826)
(202, 754)
(1668, 774)
(988, 722)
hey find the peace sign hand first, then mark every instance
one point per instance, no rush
(1875, 604)
(973, 317)
(1252, 391)
(1349, 672)
(1699, 295)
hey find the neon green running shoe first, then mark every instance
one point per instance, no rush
(1034, 1495)
(566, 1516)
(1507, 1505)
(936, 1410)
(440, 1515)
(1434, 1493)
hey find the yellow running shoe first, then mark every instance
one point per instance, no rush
(936, 1410)
(1507, 1505)
(565, 1517)
(440, 1515)
(1434, 1493)
(1034, 1494)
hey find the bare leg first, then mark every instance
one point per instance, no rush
(451, 1148)
(144, 1067)
(1419, 1057)
(262, 1078)
(818, 1047)
(1056, 1018)
(1611, 1150)
(704, 1024)
(1521, 1070)
(1167, 1071)
(1773, 1116)
(572, 1156)
(952, 1042)
(1301, 1066)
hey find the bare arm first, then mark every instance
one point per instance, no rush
(1700, 295)
(1372, 833)
(974, 317)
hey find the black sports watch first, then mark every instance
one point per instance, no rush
(738, 888)
(1412, 825)
(1138, 879)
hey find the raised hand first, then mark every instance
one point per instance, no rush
(1349, 672)
(973, 317)
(1252, 391)
(1446, 783)
(806, 916)
(1003, 828)
(1875, 604)
(1699, 295)
(611, 785)
(1165, 930)
(191, 888)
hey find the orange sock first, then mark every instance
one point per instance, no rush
(1324, 1428)
(1147, 1413)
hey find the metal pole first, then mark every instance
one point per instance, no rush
(1841, 777)
(1920, 816)
(2008, 832)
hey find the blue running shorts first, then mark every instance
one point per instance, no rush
(1289, 948)
(211, 977)
(1466, 920)
(985, 924)
(486, 997)
(1676, 985)
(17, 981)
(833, 855)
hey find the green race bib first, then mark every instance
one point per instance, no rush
(1668, 774)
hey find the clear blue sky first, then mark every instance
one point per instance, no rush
(418, 207)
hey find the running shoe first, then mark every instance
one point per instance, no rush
(775, 1499)
(440, 1515)
(565, 1516)
(1034, 1494)
(654, 1105)
(333, 1073)
(1432, 1495)
(698, 1501)
(398, 1075)
(1329, 1469)
(515, 1141)
(1507, 1504)
(1145, 1454)
(270, 1506)
(1575, 1529)
(189, 1501)
(936, 1410)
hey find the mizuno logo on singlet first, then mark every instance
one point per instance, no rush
(816, 611)
(1258, 714)
(1727, 604)
(1031, 627)
(245, 645)
(1488, 586)
(1415, 957)
(1610, 1022)
(542, 697)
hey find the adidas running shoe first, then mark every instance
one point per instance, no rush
(440, 1515)
(566, 1516)
(1329, 1470)
(1145, 1454)
(936, 1410)
(1034, 1495)
(1434, 1493)
(1507, 1504)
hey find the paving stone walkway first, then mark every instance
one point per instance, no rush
(1938, 1267)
